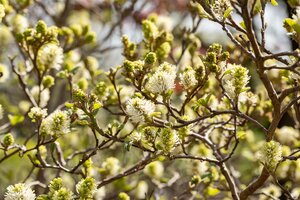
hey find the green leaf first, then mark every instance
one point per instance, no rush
(227, 12)
(15, 119)
(242, 24)
(296, 27)
(290, 22)
(274, 3)
(212, 191)
(69, 105)
(97, 105)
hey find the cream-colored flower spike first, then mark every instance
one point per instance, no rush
(137, 108)
(50, 56)
(19, 191)
(235, 80)
(162, 80)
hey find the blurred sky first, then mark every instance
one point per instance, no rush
(276, 36)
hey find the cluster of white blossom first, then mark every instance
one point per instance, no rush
(86, 188)
(235, 79)
(37, 113)
(220, 8)
(287, 135)
(162, 80)
(271, 154)
(139, 108)
(188, 78)
(50, 56)
(19, 23)
(56, 124)
(19, 191)
(111, 165)
(154, 170)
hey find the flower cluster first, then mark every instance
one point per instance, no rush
(139, 108)
(271, 154)
(86, 188)
(56, 124)
(57, 191)
(50, 56)
(154, 170)
(37, 113)
(235, 79)
(110, 166)
(188, 78)
(19, 23)
(19, 191)
(168, 140)
(162, 80)
(222, 9)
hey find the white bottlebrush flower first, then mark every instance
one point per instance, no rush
(271, 154)
(37, 113)
(86, 188)
(154, 170)
(271, 190)
(135, 136)
(287, 135)
(56, 124)
(141, 190)
(168, 139)
(111, 165)
(138, 108)
(43, 97)
(19, 23)
(100, 193)
(235, 80)
(50, 56)
(162, 80)
(249, 97)
(220, 7)
(19, 191)
(165, 23)
(188, 78)
(4, 73)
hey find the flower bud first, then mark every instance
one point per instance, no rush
(48, 81)
(86, 188)
(123, 196)
(8, 140)
(150, 58)
(154, 170)
(41, 27)
(149, 29)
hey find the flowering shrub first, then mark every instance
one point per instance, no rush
(176, 118)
